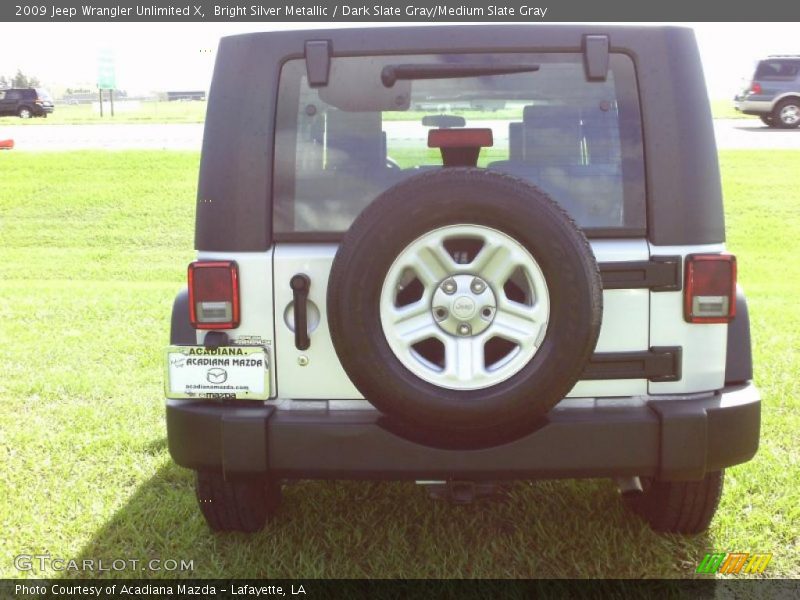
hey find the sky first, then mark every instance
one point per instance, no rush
(168, 56)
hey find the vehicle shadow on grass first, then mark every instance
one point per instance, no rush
(543, 529)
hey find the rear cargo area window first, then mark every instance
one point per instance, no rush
(337, 147)
(778, 70)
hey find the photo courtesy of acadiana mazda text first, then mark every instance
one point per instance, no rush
(460, 256)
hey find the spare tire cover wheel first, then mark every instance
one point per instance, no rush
(466, 303)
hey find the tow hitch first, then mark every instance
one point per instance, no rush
(463, 492)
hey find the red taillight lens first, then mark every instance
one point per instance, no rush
(755, 88)
(460, 138)
(710, 294)
(214, 295)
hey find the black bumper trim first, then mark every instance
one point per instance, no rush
(670, 438)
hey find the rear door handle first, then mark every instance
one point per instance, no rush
(300, 285)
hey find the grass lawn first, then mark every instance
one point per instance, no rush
(94, 247)
(134, 112)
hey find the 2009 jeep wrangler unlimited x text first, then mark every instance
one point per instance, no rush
(466, 255)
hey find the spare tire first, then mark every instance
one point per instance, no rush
(464, 303)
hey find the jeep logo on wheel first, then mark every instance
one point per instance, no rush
(464, 307)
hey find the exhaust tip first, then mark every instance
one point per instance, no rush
(629, 487)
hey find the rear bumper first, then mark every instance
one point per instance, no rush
(670, 438)
(753, 107)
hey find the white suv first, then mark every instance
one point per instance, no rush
(528, 280)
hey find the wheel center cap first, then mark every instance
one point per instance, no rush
(464, 307)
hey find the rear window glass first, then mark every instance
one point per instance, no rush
(777, 69)
(339, 146)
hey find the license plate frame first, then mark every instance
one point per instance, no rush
(227, 372)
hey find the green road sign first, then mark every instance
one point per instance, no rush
(106, 80)
(106, 73)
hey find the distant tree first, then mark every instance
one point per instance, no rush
(3, 82)
(20, 80)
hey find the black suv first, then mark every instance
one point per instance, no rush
(25, 102)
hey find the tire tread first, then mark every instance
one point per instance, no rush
(685, 507)
(236, 505)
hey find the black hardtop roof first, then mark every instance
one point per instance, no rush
(684, 196)
(391, 38)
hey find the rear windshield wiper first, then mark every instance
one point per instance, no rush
(393, 73)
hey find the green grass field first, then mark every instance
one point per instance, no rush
(141, 112)
(94, 247)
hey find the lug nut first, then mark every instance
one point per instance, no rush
(464, 329)
(449, 286)
(487, 312)
(439, 313)
(477, 286)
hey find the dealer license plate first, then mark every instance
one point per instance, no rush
(225, 372)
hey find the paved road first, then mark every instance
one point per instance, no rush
(731, 133)
(753, 135)
(177, 136)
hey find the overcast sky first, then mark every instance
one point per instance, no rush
(161, 56)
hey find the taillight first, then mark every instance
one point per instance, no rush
(459, 138)
(755, 88)
(214, 295)
(710, 292)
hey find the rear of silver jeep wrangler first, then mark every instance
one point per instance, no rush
(427, 254)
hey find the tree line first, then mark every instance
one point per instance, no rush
(20, 80)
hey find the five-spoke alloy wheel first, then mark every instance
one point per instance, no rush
(463, 307)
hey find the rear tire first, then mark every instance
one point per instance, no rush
(787, 114)
(241, 504)
(767, 120)
(685, 507)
